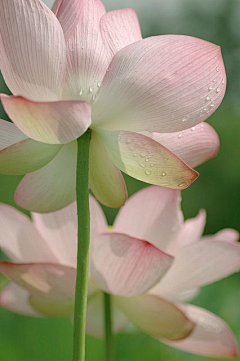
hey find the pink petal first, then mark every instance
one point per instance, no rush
(161, 84)
(225, 235)
(32, 62)
(127, 266)
(48, 308)
(153, 213)
(87, 58)
(59, 229)
(49, 188)
(194, 146)
(95, 317)
(52, 282)
(49, 122)
(199, 264)
(9, 134)
(190, 232)
(16, 299)
(144, 159)
(120, 28)
(211, 336)
(20, 240)
(156, 316)
(68, 14)
(113, 192)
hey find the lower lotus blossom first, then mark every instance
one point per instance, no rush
(77, 67)
(151, 262)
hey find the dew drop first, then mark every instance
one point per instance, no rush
(210, 87)
(151, 164)
(208, 98)
(143, 155)
(212, 105)
(218, 90)
(146, 160)
(217, 69)
(179, 135)
(164, 174)
(142, 165)
(148, 172)
(182, 184)
(223, 81)
(91, 89)
(184, 120)
(99, 84)
(193, 128)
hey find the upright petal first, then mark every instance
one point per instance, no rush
(199, 264)
(127, 266)
(146, 160)
(156, 316)
(19, 239)
(153, 213)
(51, 187)
(106, 180)
(50, 282)
(211, 336)
(59, 229)
(95, 317)
(16, 299)
(120, 28)
(161, 84)
(190, 232)
(33, 51)
(57, 122)
(87, 59)
(194, 146)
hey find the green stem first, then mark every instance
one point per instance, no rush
(80, 310)
(108, 328)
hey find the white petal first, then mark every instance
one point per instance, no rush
(20, 240)
(161, 84)
(153, 214)
(106, 180)
(52, 187)
(33, 51)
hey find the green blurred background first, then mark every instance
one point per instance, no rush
(217, 190)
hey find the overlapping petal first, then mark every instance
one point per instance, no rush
(194, 146)
(19, 239)
(156, 316)
(161, 84)
(211, 336)
(225, 235)
(120, 28)
(57, 122)
(127, 266)
(145, 159)
(33, 50)
(51, 282)
(199, 264)
(50, 188)
(16, 299)
(59, 229)
(152, 214)
(55, 308)
(113, 192)
(87, 59)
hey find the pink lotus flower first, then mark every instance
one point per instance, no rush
(151, 261)
(78, 67)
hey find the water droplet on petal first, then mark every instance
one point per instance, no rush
(179, 135)
(208, 98)
(210, 87)
(164, 174)
(223, 81)
(193, 128)
(146, 160)
(217, 69)
(91, 89)
(218, 90)
(142, 165)
(151, 164)
(182, 184)
(148, 172)
(99, 84)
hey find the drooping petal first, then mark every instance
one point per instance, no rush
(16, 299)
(199, 264)
(153, 214)
(211, 336)
(106, 180)
(156, 316)
(57, 122)
(194, 146)
(48, 308)
(161, 84)
(68, 14)
(190, 232)
(51, 187)
(19, 239)
(59, 229)
(225, 235)
(144, 159)
(120, 28)
(33, 51)
(87, 58)
(95, 317)
(51, 282)
(126, 266)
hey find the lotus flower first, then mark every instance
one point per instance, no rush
(151, 261)
(78, 67)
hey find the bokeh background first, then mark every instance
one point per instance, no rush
(217, 190)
